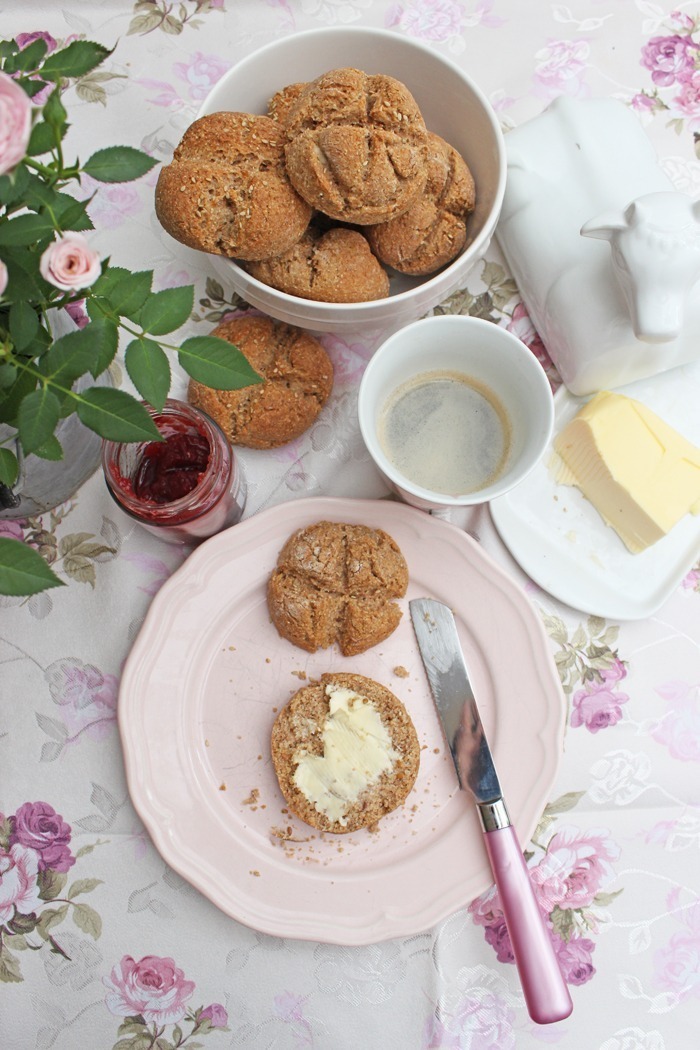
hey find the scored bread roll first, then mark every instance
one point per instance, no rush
(336, 583)
(226, 190)
(356, 146)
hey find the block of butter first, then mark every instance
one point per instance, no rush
(640, 474)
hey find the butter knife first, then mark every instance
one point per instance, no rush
(546, 994)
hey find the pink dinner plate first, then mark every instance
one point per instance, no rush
(208, 673)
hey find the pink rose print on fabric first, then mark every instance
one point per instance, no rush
(597, 706)
(692, 581)
(15, 123)
(561, 67)
(87, 699)
(521, 326)
(215, 1014)
(677, 964)
(35, 856)
(38, 826)
(475, 1014)
(197, 77)
(671, 59)
(574, 868)
(152, 994)
(575, 958)
(568, 879)
(679, 729)
(19, 889)
(153, 988)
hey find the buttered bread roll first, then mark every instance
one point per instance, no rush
(345, 752)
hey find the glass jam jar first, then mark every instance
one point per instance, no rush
(184, 488)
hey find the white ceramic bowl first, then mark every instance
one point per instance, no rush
(482, 351)
(452, 106)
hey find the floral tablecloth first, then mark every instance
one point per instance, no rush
(103, 945)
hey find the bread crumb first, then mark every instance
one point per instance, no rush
(252, 797)
(299, 674)
(254, 872)
(401, 672)
(222, 786)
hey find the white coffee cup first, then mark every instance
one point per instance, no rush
(480, 351)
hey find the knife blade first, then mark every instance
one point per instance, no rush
(546, 994)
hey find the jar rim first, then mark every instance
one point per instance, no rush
(214, 480)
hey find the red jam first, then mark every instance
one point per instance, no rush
(183, 488)
(170, 469)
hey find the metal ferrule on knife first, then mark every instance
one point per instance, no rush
(494, 815)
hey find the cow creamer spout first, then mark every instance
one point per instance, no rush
(655, 245)
(608, 313)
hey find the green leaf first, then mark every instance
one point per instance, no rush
(82, 886)
(49, 918)
(9, 467)
(125, 292)
(26, 229)
(165, 311)
(118, 164)
(54, 112)
(12, 398)
(22, 570)
(9, 965)
(43, 139)
(69, 358)
(104, 338)
(23, 279)
(149, 370)
(51, 450)
(24, 324)
(72, 214)
(216, 363)
(14, 185)
(37, 417)
(115, 415)
(79, 57)
(87, 920)
(29, 58)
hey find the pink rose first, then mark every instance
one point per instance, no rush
(574, 957)
(15, 123)
(11, 529)
(153, 987)
(215, 1014)
(670, 58)
(574, 868)
(597, 707)
(679, 729)
(677, 966)
(201, 73)
(69, 263)
(3, 277)
(25, 39)
(38, 826)
(19, 889)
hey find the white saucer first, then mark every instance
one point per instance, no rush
(563, 544)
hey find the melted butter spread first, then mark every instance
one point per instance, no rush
(640, 474)
(357, 749)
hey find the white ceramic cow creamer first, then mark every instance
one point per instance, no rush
(605, 253)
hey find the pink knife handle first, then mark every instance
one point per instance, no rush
(546, 994)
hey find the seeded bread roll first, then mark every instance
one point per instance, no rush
(297, 381)
(282, 101)
(332, 266)
(336, 584)
(357, 146)
(226, 189)
(433, 230)
(298, 731)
